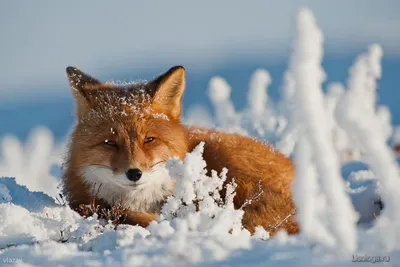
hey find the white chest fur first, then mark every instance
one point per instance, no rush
(146, 195)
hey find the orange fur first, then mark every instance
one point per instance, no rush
(128, 115)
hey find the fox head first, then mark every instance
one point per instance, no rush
(126, 133)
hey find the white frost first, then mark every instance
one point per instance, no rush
(358, 115)
(316, 146)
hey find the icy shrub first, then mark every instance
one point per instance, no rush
(358, 114)
(195, 191)
(31, 164)
(325, 212)
(219, 92)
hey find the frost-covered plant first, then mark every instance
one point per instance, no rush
(196, 197)
(358, 115)
(33, 163)
(359, 101)
(288, 135)
(219, 92)
(315, 157)
(257, 95)
(260, 118)
(340, 139)
(115, 215)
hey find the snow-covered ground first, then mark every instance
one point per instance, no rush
(346, 171)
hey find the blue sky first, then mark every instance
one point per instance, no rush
(128, 40)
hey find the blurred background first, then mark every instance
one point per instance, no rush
(131, 40)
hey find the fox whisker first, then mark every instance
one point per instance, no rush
(101, 165)
(162, 161)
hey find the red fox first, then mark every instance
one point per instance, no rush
(126, 133)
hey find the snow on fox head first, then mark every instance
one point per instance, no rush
(124, 136)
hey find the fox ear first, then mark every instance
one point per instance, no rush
(168, 92)
(81, 85)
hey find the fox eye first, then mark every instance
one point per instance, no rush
(110, 143)
(149, 139)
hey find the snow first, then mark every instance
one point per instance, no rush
(335, 220)
(193, 186)
(219, 92)
(32, 164)
(362, 120)
(344, 168)
(258, 96)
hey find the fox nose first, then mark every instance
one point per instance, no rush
(134, 174)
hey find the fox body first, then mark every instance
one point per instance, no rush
(126, 133)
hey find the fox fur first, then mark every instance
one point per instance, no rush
(137, 126)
